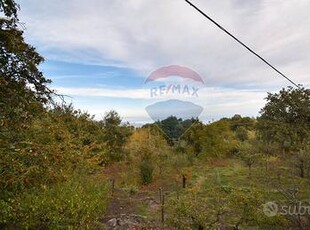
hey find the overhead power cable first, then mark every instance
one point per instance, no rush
(240, 42)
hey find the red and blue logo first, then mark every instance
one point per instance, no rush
(175, 91)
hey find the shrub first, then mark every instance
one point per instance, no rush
(226, 206)
(131, 189)
(146, 171)
(73, 204)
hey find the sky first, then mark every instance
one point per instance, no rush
(100, 52)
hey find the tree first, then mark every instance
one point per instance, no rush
(146, 164)
(239, 121)
(217, 139)
(285, 119)
(242, 133)
(285, 123)
(42, 147)
(23, 88)
(23, 91)
(248, 155)
(193, 138)
(115, 135)
(9, 8)
(302, 161)
(148, 150)
(174, 128)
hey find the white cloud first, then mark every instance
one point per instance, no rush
(104, 92)
(148, 34)
(145, 35)
(217, 102)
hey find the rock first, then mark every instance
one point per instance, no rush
(127, 221)
(112, 223)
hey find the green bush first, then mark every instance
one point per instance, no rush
(227, 206)
(131, 189)
(146, 171)
(187, 213)
(74, 204)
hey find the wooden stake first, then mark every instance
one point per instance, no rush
(184, 181)
(163, 210)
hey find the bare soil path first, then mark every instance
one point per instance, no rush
(132, 208)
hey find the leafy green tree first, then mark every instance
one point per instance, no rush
(285, 119)
(193, 138)
(217, 139)
(239, 121)
(146, 165)
(41, 144)
(9, 8)
(302, 161)
(242, 133)
(172, 126)
(115, 135)
(60, 143)
(285, 123)
(23, 94)
(23, 88)
(148, 150)
(248, 154)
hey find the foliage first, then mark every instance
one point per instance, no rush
(285, 119)
(242, 133)
(150, 137)
(248, 154)
(23, 88)
(193, 138)
(238, 121)
(115, 135)
(146, 170)
(217, 139)
(221, 207)
(131, 189)
(55, 145)
(302, 161)
(187, 213)
(44, 146)
(58, 144)
(23, 93)
(9, 8)
(146, 158)
(76, 203)
(148, 150)
(175, 127)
